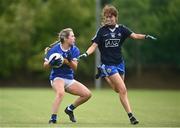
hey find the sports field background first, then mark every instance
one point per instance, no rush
(30, 107)
(27, 27)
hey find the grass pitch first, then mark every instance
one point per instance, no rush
(30, 107)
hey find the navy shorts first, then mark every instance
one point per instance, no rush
(108, 70)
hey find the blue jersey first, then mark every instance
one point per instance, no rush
(64, 71)
(110, 42)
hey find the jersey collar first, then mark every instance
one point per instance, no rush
(64, 50)
(112, 30)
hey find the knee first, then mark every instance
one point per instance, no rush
(122, 91)
(59, 94)
(87, 95)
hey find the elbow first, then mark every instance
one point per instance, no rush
(137, 36)
(74, 68)
(134, 36)
(46, 65)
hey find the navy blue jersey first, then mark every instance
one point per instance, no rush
(64, 71)
(110, 42)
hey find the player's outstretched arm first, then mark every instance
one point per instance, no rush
(90, 50)
(142, 36)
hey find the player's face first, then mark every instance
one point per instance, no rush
(71, 38)
(110, 19)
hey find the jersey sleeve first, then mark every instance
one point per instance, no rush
(51, 51)
(96, 39)
(75, 53)
(127, 32)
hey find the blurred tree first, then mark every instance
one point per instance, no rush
(17, 26)
(155, 17)
(28, 26)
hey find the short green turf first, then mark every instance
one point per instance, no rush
(31, 107)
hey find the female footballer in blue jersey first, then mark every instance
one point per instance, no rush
(109, 40)
(62, 74)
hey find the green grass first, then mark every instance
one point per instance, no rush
(28, 107)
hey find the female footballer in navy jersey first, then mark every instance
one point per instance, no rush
(62, 78)
(109, 40)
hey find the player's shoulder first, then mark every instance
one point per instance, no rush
(54, 48)
(57, 43)
(74, 48)
(122, 26)
(101, 28)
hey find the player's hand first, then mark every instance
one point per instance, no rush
(150, 37)
(82, 56)
(97, 76)
(69, 56)
(55, 62)
(52, 61)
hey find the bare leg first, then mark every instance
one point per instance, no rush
(117, 83)
(111, 84)
(122, 76)
(58, 86)
(84, 94)
(80, 90)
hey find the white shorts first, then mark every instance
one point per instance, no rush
(67, 82)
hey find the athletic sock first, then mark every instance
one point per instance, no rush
(71, 107)
(53, 116)
(132, 119)
(130, 115)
